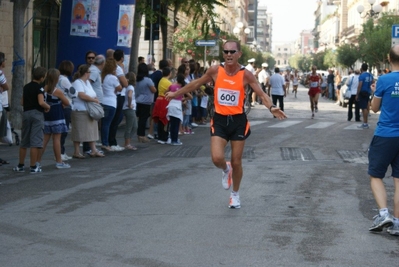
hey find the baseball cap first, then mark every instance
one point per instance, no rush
(251, 60)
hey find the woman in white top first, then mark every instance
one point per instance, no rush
(111, 86)
(84, 128)
(66, 69)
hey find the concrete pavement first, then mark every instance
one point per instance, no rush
(305, 199)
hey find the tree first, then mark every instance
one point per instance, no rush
(375, 40)
(18, 77)
(305, 63)
(347, 55)
(134, 48)
(318, 60)
(194, 9)
(330, 59)
(294, 61)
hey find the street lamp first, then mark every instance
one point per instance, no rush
(374, 9)
(239, 29)
(253, 46)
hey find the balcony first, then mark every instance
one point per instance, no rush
(251, 8)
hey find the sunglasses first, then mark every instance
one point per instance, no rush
(232, 52)
(90, 57)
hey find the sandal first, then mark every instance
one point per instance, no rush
(107, 148)
(78, 156)
(97, 154)
(130, 147)
(2, 161)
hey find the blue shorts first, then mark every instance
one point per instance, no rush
(363, 101)
(384, 151)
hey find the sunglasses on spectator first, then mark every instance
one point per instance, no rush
(90, 57)
(232, 52)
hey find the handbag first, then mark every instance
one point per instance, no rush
(348, 92)
(95, 110)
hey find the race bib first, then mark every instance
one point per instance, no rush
(314, 84)
(227, 97)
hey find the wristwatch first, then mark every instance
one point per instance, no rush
(272, 106)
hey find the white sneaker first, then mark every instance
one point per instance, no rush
(121, 148)
(178, 143)
(117, 148)
(65, 157)
(62, 165)
(234, 201)
(169, 141)
(150, 136)
(227, 177)
(194, 124)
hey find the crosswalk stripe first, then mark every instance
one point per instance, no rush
(320, 125)
(353, 127)
(289, 123)
(253, 123)
(284, 124)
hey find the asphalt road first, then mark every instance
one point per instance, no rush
(305, 197)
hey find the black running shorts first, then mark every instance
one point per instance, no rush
(231, 127)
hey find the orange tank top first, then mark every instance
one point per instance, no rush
(229, 94)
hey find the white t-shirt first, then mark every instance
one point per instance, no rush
(65, 84)
(85, 87)
(295, 79)
(119, 72)
(262, 76)
(95, 78)
(125, 105)
(4, 95)
(276, 82)
(251, 69)
(355, 83)
(109, 84)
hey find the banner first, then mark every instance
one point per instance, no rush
(125, 25)
(84, 21)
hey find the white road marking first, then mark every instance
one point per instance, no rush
(284, 124)
(320, 125)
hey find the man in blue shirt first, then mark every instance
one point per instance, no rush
(363, 94)
(384, 148)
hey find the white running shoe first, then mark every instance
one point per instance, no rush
(62, 165)
(117, 148)
(65, 157)
(234, 201)
(227, 177)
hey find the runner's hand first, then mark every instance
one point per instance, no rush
(170, 95)
(278, 113)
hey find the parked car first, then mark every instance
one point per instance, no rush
(342, 101)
